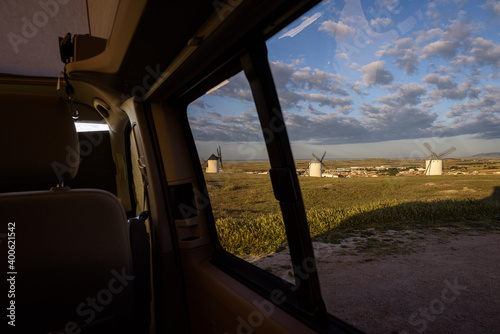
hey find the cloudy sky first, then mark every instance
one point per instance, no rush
(364, 79)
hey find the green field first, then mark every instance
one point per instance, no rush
(249, 221)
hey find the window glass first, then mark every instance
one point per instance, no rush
(236, 167)
(375, 95)
(91, 127)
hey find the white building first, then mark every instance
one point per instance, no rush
(434, 167)
(212, 164)
(315, 168)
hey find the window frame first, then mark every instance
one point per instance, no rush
(302, 300)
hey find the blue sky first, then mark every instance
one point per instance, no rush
(364, 79)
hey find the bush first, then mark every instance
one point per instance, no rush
(393, 172)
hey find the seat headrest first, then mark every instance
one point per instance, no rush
(38, 142)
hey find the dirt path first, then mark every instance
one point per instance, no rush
(446, 281)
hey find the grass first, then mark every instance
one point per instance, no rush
(249, 220)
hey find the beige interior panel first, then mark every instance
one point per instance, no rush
(101, 17)
(225, 305)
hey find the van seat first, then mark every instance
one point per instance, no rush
(73, 264)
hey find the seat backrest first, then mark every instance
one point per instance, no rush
(71, 263)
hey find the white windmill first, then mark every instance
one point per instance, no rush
(434, 163)
(213, 162)
(315, 165)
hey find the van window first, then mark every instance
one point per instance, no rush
(373, 92)
(235, 164)
(90, 127)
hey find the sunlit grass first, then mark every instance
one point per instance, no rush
(266, 233)
(248, 218)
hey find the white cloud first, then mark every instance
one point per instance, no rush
(488, 102)
(485, 52)
(460, 3)
(406, 54)
(390, 122)
(445, 49)
(462, 91)
(306, 78)
(404, 43)
(441, 82)
(213, 126)
(409, 61)
(307, 85)
(453, 41)
(463, 60)
(381, 23)
(237, 87)
(492, 6)
(481, 126)
(328, 128)
(375, 73)
(390, 5)
(326, 100)
(200, 104)
(338, 30)
(342, 55)
(458, 31)
(433, 13)
(425, 36)
(405, 94)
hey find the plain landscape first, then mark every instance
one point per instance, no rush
(385, 246)
(246, 211)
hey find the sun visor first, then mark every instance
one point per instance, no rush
(101, 15)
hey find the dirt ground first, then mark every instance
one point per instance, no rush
(440, 281)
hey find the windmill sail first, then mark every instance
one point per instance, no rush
(321, 160)
(219, 155)
(448, 151)
(433, 154)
